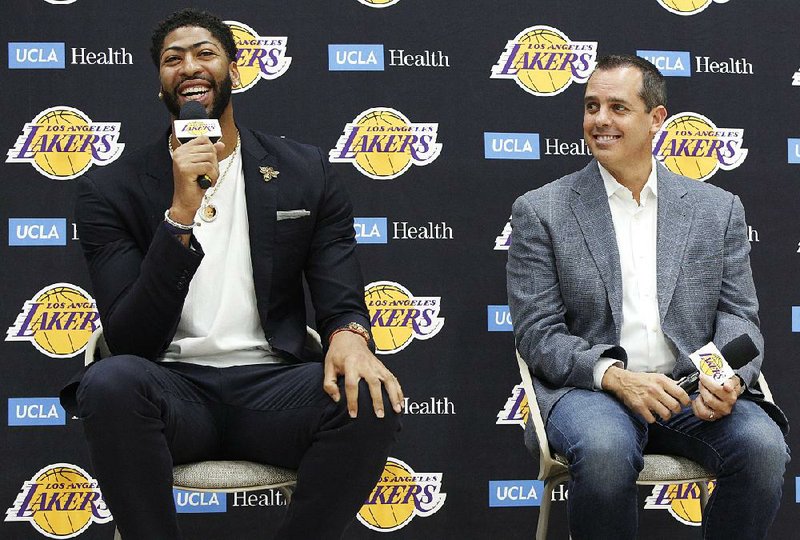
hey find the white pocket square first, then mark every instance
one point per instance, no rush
(292, 214)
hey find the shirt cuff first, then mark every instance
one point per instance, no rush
(600, 368)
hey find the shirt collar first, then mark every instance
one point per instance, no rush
(612, 186)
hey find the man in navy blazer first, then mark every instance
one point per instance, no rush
(201, 297)
(616, 273)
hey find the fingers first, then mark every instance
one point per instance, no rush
(395, 392)
(351, 378)
(329, 385)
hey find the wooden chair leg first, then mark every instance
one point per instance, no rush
(703, 485)
(544, 510)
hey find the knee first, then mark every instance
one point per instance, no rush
(110, 383)
(761, 455)
(607, 461)
(367, 422)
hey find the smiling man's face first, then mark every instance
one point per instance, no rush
(193, 66)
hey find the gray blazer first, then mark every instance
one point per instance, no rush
(565, 285)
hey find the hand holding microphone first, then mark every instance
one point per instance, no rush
(193, 122)
(717, 395)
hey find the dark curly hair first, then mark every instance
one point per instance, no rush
(192, 17)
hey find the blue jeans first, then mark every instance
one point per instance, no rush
(141, 417)
(604, 442)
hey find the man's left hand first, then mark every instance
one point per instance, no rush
(715, 401)
(349, 356)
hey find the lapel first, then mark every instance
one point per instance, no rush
(675, 215)
(593, 214)
(157, 181)
(262, 206)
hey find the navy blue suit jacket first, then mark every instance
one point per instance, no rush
(141, 273)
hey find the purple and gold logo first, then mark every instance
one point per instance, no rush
(690, 144)
(383, 143)
(62, 143)
(398, 317)
(258, 57)
(516, 410)
(58, 321)
(543, 61)
(681, 500)
(688, 7)
(401, 495)
(60, 501)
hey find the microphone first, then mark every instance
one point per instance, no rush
(193, 122)
(737, 353)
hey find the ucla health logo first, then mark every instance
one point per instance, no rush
(498, 319)
(511, 145)
(378, 3)
(681, 500)
(794, 151)
(544, 61)
(688, 7)
(257, 57)
(62, 143)
(669, 63)
(383, 143)
(199, 502)
(36, 56)
(58, 320)
(503, 240)
(398, 317)
(42, 411)
(503, 493)
(371, 230)
(37, 232)
(355, 58)
(516, 410)
(60, 501)
(400, 495)
(690, 144)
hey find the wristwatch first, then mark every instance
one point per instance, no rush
(353, 327)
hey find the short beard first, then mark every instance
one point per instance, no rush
(222, 96)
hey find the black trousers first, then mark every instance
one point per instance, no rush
(142, 417)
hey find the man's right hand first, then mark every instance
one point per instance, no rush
(647, 394)
(192, 159)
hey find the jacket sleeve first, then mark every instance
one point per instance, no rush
(538, 312)
(139, 288)
(332, 269)
(737, 309)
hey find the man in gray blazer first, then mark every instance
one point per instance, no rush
(616, 273)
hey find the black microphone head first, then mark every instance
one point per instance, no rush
(192, 110)
(739, 351)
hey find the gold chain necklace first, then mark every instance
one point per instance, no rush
(208, 212)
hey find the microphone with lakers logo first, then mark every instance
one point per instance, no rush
(193, 122)
(720, 365)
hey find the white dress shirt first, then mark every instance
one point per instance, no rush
(635, 226)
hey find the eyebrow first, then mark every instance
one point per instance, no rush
(611, 99)
(193, 46)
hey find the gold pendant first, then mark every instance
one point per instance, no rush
(208, 213)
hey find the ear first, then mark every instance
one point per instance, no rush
(657, 116)
(233, 70)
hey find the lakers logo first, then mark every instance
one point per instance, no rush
(382, 143)
(397, 316)
(399, 496)
(62, 143)
(516, 410)
(257, 57)
(60, 501)
(544, 61)
(681, 500)
(503, 241)
(378, 3)
(58, 320)
(687, 7)
(690, 144)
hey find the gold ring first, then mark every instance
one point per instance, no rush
(711, 415)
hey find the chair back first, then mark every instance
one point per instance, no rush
(548, 465)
